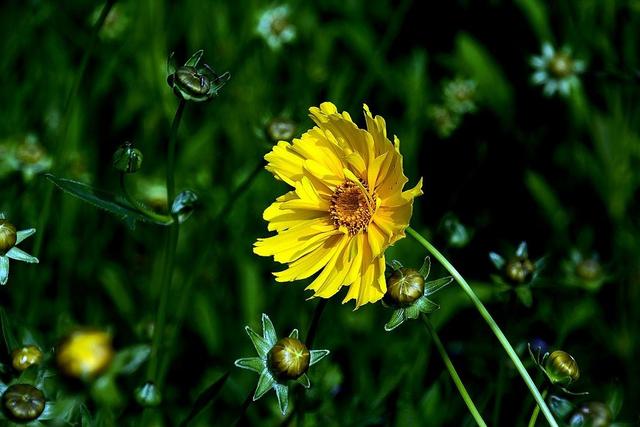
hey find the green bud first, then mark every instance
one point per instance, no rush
(519, 269)
(404, 287)
(8, 236)
(148, 395)
(562, 368)
(281, 129)
(288, 359)
(23, 402)
(192, 84)
(23, 357)
(592, 414)
(127, 159)
(589, 269)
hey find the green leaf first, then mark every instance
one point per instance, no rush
(524, 295)
(103, 200)
(548, 201)
(205, 398)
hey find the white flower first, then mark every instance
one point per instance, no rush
(557, 71)
(274, 27)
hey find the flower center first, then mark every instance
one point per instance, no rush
(351, 207)
(561, 65)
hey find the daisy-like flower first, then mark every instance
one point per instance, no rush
(279, 362)
(557, 71)
(460, 95)
(9, 238)
(274, 27)
(347, 206)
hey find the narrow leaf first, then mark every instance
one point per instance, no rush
(205, 398)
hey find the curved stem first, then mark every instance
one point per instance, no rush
(453, 373)
(536, 411)
(153, 371)
(492, 324)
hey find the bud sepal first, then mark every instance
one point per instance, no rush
(279, 362)
(518, 272)
(192, 82)
(408, 292)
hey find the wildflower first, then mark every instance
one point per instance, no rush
(583, 272)
(346, 208)
(274, 27)
(281, 129)
(459, 95)
(557, 71)
(279, 361)
(444, 120)
(408, 293)
(85, 353)
(27, 156)
(9, 238)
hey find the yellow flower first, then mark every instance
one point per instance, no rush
(346, 208)
(85, 353)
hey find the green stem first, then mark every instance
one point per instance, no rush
(153, 371)
(492, 324)
(536, 411)
(171, 153)
(453, 373)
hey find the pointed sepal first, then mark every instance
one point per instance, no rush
(316, 356)
(434, 286)
(268, 331)
(282, 391)
(425, 269)
(265, 383)
(304, 381)
(522, 251)
(397, 319)
(497, 260)
(426, 306)
(20, 255)
(23, 234)
(195, 59)
(262, 346)
(254, 364)
(294, 334)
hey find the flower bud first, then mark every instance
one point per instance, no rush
(23, 402)
(148, 395)
(281, 129)
(288, 359)
(8, 236)
(85, 353)
(562, 368)
(519, 269)
(592, 414)
(127, 159)
(404, 287)
(589, 269)
(23, 357)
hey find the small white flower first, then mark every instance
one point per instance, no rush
(557, 71)
(460, 95)
(274, 27)
(9, 238)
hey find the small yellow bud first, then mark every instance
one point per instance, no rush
(8, 236)
(404, 287)
(23, 402)
(562, 368)
(85, 353)
(519, 269)
(288, 359)
(23, 357)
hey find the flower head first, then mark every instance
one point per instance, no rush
(460, 95)
(9, 238)
(518, 272)
(557, 71)
(346, 208)
(274, 27)
(408, 292)
(279, 361)
(26, 156)
(85, 353)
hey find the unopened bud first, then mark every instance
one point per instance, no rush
(8, 236)
(23, 357)
(519, 269)
(562, 368)
(592, 414)
(127, 159)
(23, 402)
(404, 287)
(288, 359)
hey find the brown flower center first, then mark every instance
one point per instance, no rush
(351, 207)
(561, 65)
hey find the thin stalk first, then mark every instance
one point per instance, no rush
(492, 324)
(453, 373)
(536, 411)
(243, 408)
(171, 153)
(171, 243)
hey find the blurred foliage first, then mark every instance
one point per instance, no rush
(560, 173)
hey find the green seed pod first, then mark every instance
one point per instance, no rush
(281, 129)
(127, 159)
(404, 287)
(8, 236)
(23, 402)
(288, 359)
(519, 269)
(562, 368)
(589, 269)
(148, 395)
(592, 414)
(23, 357)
